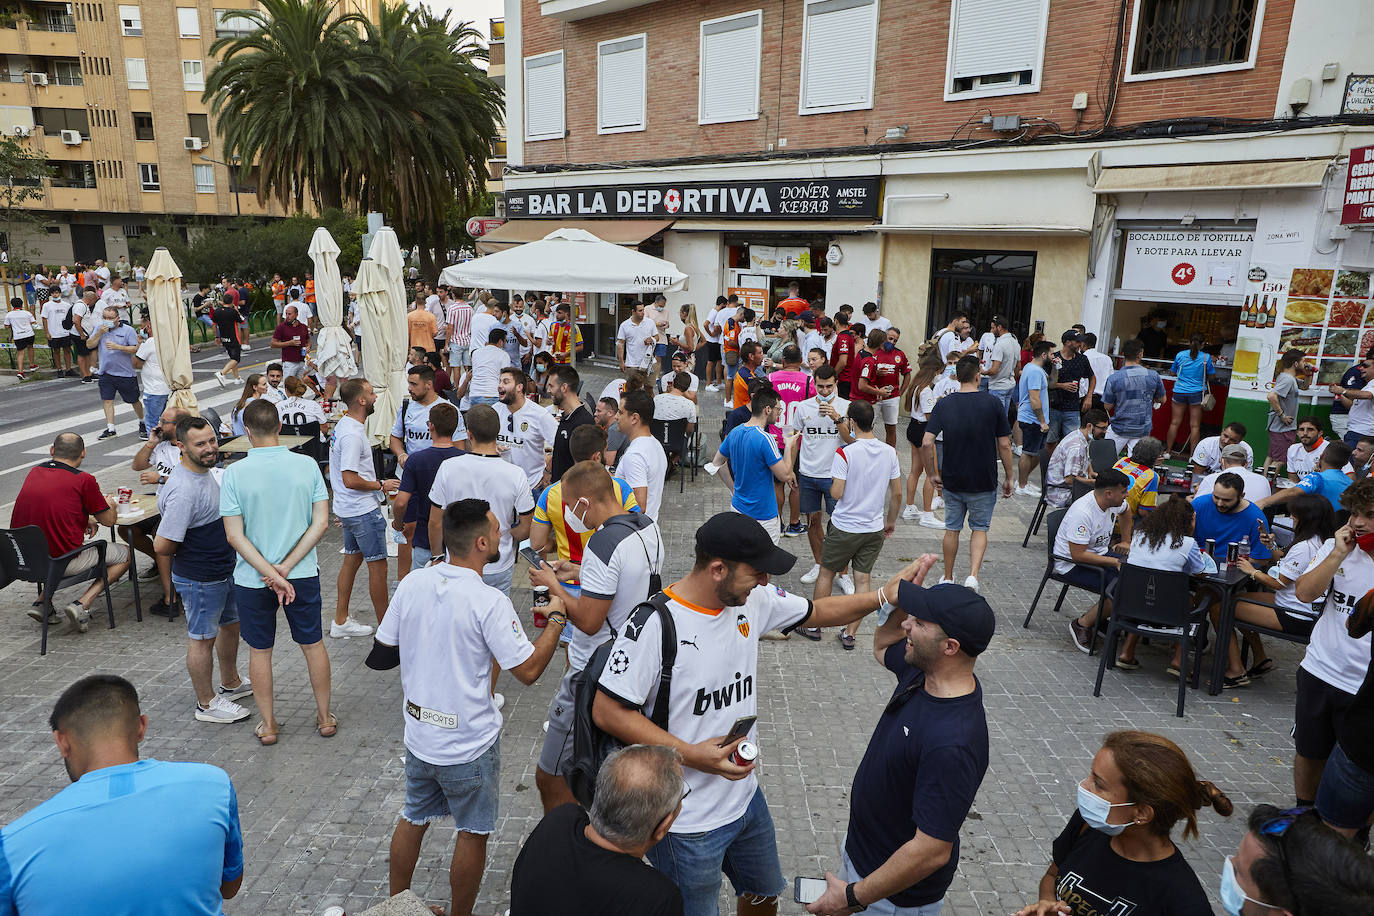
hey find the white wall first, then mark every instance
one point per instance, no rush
(699, 255)
(855, 278)
(515, 85)
(1322, 32)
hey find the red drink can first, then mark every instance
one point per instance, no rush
(125, 495)
(746, 753)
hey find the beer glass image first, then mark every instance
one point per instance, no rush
(1250, 353)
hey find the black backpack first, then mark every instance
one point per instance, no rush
(68, 321)
(591, 745)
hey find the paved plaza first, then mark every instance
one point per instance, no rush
(318, 813)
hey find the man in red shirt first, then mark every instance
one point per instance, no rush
(292, 338)
(794, 304)
(842, 354)
(881, 378)
(68, 506)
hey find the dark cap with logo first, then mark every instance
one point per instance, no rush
(961, 612)
(739, 539)
(1069, 335)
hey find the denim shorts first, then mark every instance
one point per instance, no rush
(813, 492)
(153, 406)
(419, 557)
(466, 792)
(500, 580)
(1032, 438)
(474, 400)
(1062, 423)
(258, 614)
(746, 850)
(1187, 397)
(884, 907)
(459, 355)
(209, 605)
(979, 507)
(365, 534)
(1345, 797)
(1003, 395)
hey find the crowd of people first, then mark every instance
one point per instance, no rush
(651, 741)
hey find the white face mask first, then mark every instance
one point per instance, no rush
(825, 398)
(1095, 810)
(577, 525)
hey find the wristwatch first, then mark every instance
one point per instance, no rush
(852, 901)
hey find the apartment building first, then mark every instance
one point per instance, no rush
(111, 93)
(991, 156)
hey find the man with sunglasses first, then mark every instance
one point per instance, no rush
(1070, 462)
(1290, 864)
(926, 759)
(1358, 398)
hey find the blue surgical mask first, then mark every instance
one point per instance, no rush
(889, 346)
(1232, 897)
(1095, 810)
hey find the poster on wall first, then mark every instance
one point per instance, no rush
(780, 261)
(1325, 312)
(1191, 260)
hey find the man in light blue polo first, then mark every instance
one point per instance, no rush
(749, 461)
(276, 509)
(129, 837)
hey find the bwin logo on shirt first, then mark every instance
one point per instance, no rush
(722, 697)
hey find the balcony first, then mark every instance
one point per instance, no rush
(75, 199)
(497, 30)
(572, 10)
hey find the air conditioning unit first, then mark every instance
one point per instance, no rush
(71, 137)
(21, 131)
(38, 79)
(193, 143)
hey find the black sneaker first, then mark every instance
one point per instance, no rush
(71, 373)
(107, 434)
(88, 379)
(1082, 637)
(142, 430)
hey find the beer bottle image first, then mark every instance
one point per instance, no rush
(1245, 312)
(1264, 307)
(1272, 315)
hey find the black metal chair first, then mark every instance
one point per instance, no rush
(211, 416)
(1041, 505)
(24, 558)
(314, 447)
(1257, 629)
(1158, 604)
(1102, 454)
(1052, 522)
(672, 435)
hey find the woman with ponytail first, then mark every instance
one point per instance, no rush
(1116, 853)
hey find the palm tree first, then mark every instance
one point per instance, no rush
(295, 97)
(441, 117)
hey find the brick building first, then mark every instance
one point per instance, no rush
(120, 119)
(936, 155)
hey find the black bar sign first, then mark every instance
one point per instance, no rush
(801, 198)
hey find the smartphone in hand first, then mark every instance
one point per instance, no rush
(808, 890)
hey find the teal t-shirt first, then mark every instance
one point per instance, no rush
(274, 490)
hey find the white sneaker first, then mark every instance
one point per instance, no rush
(928, 520)
(713, 387)
(812, 574)
(1016, 450)
(1029, 490)
(221, 711)
(349, 627)
(946, 580)
(78, 616)
(500, 700)
(220, 379)
(244, 689)
(972, 583)
(845, 584)
(937, 504)
(910, 513)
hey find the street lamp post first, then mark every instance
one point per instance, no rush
(233, 179)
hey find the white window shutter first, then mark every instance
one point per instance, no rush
(837, 63)
(996, 36)
(620, 77)
(188, 22)
(730, 69)
(544, 97)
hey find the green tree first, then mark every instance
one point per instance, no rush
(295, 97)
(22, 171)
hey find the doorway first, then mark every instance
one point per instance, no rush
(981, 284)
(88, 243)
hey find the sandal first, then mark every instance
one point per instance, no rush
(1230, 683)
(265, 738)
(1172, 671)
(1127, 664)
(1261, 668)
(328, 729)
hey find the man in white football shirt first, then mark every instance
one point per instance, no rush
(526, 431)
(642, 462)
(822, 427)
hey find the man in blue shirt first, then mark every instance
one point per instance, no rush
(929, 752)
(755, 462)
(1328, 480)
(151, 838)
(412, 500)
(1225, 515)
(1132, 395)
(1032, 414)
(118, 343)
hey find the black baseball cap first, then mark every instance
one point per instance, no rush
(1002, 320)
(961, 612)
(739, 539)
(1069, 335)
